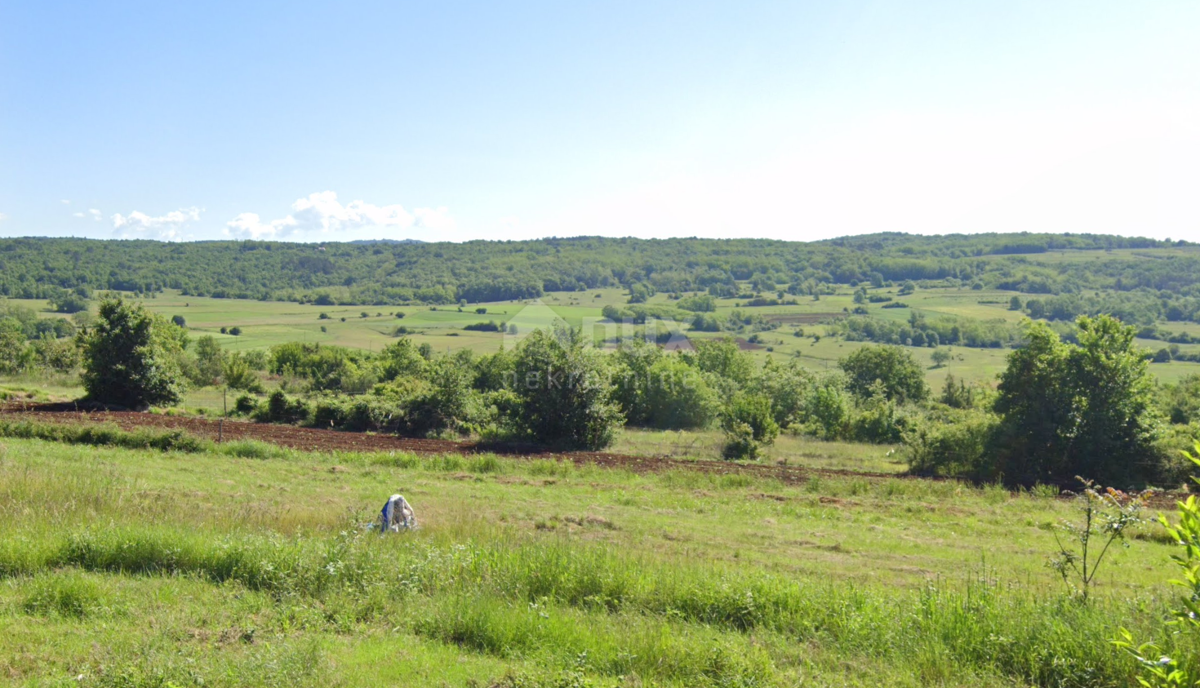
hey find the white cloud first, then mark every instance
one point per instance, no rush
(321, 216)
(138, 225)
(3, 217)
(92, 213)
(65, 201)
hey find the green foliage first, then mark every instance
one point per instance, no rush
(210, 361)
(1078, 410)
(281, 409)
(877, 419)
(679, 397)
(700, 303)
(1182, 670)
(103, 436)
(901, 377)
(15, 354)
(957, 394)
(1104, 516)
(68, 302)
(238, 375)
(958, 443)
(723, 358)
(749, 426)
(564, 392)
(787, 386)
(447, 402)
(1180, 403)
(941, 357)
(130, 357)
(489, 326)
(632, 379)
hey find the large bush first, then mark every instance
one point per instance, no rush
(680, 397)
(131, 357)
(565, 397)
(749, 425)
(1078, 410)
(897, 370)
(954, 444)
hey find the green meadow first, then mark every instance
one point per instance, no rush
(248, 565)
(266, 323)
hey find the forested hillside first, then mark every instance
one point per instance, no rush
(1164, 275)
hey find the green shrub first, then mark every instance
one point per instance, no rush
(281, 409)
(564, 392)
(956, 443)
(896, 369)
(679, 397)
(749, 425)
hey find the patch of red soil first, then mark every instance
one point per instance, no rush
(315, 439)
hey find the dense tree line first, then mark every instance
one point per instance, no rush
(389, 273)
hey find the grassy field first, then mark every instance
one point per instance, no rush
(249, 565)
(267, 323)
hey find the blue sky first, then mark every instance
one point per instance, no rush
(458, 120)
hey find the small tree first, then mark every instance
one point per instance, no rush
(1105, 516)
(940, 357)
(564, 392)
(130, 357)
(210, 361)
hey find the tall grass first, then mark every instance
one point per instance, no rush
(486, 596)
(104, 435)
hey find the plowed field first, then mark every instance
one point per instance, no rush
(314, 439)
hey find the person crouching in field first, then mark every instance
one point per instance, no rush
(397, 515)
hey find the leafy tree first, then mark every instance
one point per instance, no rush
(788, 387)
(179, 321)
(1014, 304)
(210, 361)
(447, 402)
(130, 357)
(632, 379)
(56, 354)
(238, 375)
(1035, 308)
(564, 395)
(14, 352)
(940, 357)
(956, 394)
(724, 358)
(68, 302)
(679, 397)
(1077, 410)
(901, 377)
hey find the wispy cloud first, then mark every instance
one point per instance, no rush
(138, 225)
(3, 217)
(321, 216)
(65, 201)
